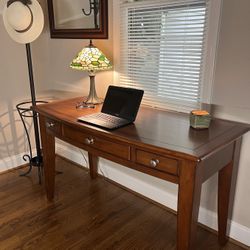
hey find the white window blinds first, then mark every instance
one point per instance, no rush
(162, 51)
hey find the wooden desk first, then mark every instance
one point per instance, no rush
(160, 144)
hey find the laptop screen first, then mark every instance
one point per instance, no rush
(122, 102)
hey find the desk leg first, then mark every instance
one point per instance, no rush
(224, 184)
(48, 148)
(93, 165)
(226, 190)
(188, 205)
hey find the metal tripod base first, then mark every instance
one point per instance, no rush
(33, 162)
(25, 111)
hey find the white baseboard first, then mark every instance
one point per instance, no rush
(11, 162)
(238, 232)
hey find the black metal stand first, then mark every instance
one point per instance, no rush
(25, 111)
(28, 112)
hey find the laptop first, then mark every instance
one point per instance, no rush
(120, 108)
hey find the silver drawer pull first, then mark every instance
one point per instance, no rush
(154, 162)
(89, 141)
(50, 124)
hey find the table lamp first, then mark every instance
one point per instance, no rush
(91, 59)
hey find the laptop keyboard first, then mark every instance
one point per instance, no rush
(104, 119)
(107, 118)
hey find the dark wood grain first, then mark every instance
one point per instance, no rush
(188, 204)
(169, 165)
(100, 143)
(85, 215)
(93, 165)
(227, 178)
(48, 143)
(184, 156)
(169, 132)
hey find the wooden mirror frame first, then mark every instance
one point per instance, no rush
(100, 33)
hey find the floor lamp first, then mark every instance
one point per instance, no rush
(24, 21)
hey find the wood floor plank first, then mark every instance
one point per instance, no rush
(85, 214)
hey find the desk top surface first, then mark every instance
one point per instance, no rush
(165, 130)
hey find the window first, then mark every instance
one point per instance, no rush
(163, 50)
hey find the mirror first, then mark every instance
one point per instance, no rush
(78, 19)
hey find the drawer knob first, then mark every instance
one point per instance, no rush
(154, 162)
(50, 124)
(89, 141)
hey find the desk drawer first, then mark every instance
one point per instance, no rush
(156, 161)
(53, 126)
(106, 145)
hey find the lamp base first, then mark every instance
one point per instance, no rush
(92, 98)
(82, 105)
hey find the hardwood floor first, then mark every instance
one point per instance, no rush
(86, 214)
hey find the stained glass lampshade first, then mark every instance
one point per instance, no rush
(91, 59)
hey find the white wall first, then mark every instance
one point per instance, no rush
(232, 89)
(232, 77)
(60, 53)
